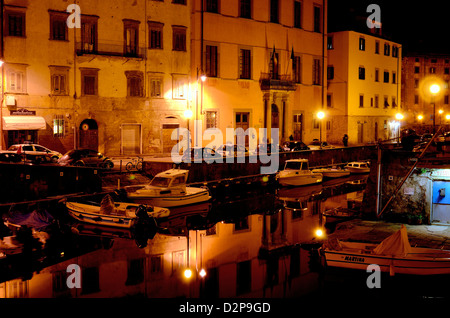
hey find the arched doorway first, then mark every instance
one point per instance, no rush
(89, 134)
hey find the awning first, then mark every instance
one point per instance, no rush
(23, 122)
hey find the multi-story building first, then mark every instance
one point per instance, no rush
(263, 61)
(363, 97)
(116, 82)
(420, 72)
(120, 76)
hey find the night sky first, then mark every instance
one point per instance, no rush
(421, 27)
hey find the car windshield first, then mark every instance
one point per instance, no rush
(14, 148)
(160, 182)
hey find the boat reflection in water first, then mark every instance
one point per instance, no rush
(252, 246)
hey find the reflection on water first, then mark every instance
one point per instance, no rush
(249, 245)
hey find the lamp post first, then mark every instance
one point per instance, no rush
(420, 118)
(188, 115)
(321, 116)
(434, 90)
(399, 117)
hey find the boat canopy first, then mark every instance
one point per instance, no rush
(396, 244)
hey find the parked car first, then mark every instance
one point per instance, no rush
(10, 156)
(85, 157)
(36, 152)
(315, 144)
(196, 153)
(426, 137)
(232, 150)
(267, 148)
(294, 146)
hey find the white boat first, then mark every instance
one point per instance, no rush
(339, 214)
(296, 173)
(394, 255)
(358, 167)
(110, 213)
(168, 189)
(332, 172)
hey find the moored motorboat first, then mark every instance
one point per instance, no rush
(332, 172)
(168, 189)
(394, 255)
(297, 173)
(110, 213)
(339, 214)
(358, 167)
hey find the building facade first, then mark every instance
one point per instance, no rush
(420, 72)
(119, 76)
(116, 82)
(364, 92)
(263, 61)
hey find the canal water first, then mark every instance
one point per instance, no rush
(257, 242)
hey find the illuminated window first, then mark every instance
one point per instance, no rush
(362, 44)
(211, 119)
(179, 86)
(58, 126)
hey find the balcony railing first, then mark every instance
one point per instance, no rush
(270, 81)
(110, 50)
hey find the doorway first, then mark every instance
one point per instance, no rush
(131, 139)
(89, 134)
(242, 121)
(441, 202)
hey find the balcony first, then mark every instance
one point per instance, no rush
(109, 49)
(270, 81)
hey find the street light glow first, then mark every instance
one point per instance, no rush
(399, 116)
(320, 115)
(420, 117)
(435, 88)
(188, 113)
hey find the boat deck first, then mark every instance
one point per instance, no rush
(357, 230)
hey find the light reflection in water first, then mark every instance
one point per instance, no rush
(249, 247)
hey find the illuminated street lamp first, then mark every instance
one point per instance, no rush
(399, 117)
(434, 90)
(321, 116)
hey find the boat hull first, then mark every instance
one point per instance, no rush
(296, 178)
(359, 170)
(332, 173)
(420, 262)
(88, 213)
(191, 197)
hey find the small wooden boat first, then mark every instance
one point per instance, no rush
(168, 189)
(332, 172)
(296, 173)
(339, 214)
(393, 255)
(358, 167)
(110, 213)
